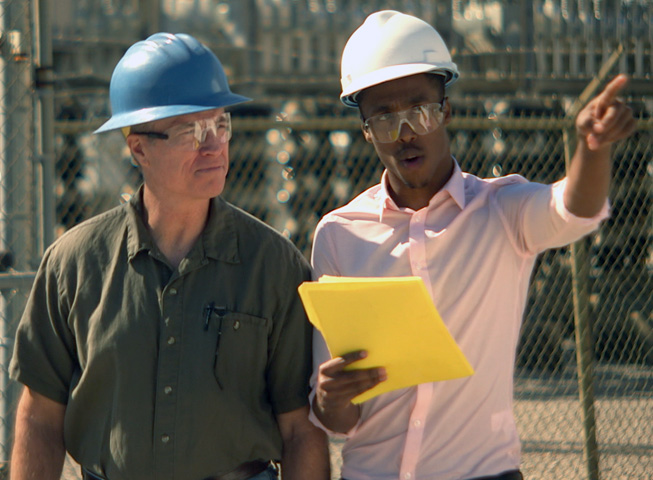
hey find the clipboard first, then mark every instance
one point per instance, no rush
(394, 319)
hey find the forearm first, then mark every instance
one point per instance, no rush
(602, 122)
(38, 452)
(337, 420)
(38, 449)
(306, 456)
(588, 180)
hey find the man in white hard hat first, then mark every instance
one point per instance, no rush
(165, 338)
(474, 243)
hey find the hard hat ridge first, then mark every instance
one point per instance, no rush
(390, 45)
(164, 76)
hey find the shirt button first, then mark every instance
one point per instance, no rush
(165, 438)
(408, 475)
(167, 390)
(171, 340)
(417, 423)
(172, 291)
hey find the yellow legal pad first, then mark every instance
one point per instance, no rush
(394, 319)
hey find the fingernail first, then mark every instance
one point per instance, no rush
(383, 375)
(362, 354)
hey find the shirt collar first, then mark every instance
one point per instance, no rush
(456, 185)
(220, 236)
(219, 239)
(455, 188)
(138, 238)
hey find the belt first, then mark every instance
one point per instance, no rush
(244, 471)
(510, 475)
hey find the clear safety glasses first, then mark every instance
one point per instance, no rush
(191, 135)
(423, 119)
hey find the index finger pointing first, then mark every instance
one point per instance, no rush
(611, 91)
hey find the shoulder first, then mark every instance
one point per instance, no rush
(477, 188)
(91, 235)
(477, 183)
(365, 205)
(254, 235)
(82, 251)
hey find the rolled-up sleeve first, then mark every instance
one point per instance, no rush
(537, 218)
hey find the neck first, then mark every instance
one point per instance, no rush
(175, 226)
(417, 197)
(410, 198)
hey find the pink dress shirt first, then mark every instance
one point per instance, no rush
(474, 246)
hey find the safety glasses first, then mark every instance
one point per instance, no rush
(191, 135)
(422, 119)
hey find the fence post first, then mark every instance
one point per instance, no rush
(45, 88)
(580, 287)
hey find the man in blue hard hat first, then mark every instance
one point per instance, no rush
(472, 241)
(165, 339)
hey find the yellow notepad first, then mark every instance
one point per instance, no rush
(394, 319)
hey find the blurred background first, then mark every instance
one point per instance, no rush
(584, 382)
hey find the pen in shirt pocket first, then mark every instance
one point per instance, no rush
(209, 310)
(220, 312)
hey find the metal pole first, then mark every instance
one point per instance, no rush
(45, 90)
(580, 286)
(4, 410)
(150, 12)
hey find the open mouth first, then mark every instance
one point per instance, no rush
(410, 160)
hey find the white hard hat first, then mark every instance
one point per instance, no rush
(391, 45)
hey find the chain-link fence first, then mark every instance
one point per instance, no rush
(19, 174)
(289, 173)
(294, 160)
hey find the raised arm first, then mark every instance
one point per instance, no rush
(603, 121)
(38, 450)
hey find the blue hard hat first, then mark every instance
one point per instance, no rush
(164, 76)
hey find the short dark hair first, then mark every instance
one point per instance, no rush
(438, 81)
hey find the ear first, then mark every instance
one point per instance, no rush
(447, 111)
(366, 134)
(136, 147)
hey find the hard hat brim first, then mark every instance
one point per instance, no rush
(151, 114)
(394, 72)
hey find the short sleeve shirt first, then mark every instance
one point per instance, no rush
(168, 373)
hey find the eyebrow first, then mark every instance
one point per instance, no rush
(212, 117)
(408, 103)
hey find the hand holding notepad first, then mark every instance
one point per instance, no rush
(394, 320)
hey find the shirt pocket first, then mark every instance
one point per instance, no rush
(241, 352)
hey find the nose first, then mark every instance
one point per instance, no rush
(212, 143)
(406, 132)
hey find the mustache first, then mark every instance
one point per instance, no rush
(408, 151)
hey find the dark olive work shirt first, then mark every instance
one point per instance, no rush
(168, 373)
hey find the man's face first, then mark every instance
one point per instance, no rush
(180, 166)
(418, 166)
